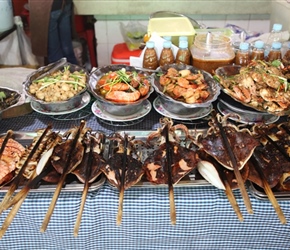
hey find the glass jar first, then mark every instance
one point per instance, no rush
(209, 54)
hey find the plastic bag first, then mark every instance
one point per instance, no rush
(133, 34)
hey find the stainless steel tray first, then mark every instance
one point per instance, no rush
(72, 183)
(193, 179)
(260, 194)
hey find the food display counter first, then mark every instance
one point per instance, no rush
(204, 216)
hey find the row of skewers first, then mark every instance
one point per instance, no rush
(165, 157)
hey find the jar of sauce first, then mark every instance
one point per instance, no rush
(210, 51)
(166, 56)
(258, 51)
(243, 55)
(150, 59)
(183, 54)
(275, 52)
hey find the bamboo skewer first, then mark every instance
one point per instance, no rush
(18, 178)
(61, 181)
(122, 189)
(7, 137)
(170, 185)
(268, 190)
(235, 167)
(229, 193)
(85, 191)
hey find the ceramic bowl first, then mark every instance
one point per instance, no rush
(113, 107)
(179, 107)
(44, 71)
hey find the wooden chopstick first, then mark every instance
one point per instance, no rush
(7, 137)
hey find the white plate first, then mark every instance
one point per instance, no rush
(197, 114)
(85, 101)
(145, 109)
(246, 119)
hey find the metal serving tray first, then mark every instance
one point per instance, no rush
(193, 179)
(260, 194)
(72, 183)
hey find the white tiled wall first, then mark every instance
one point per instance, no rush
(108, 33)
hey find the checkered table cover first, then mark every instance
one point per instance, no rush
(205, 219)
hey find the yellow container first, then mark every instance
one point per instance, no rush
(172, 26)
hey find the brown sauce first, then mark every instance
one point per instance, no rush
(211, 65)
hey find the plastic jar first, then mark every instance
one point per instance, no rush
(275, 52)
(243, 55)
(258, 51)
(166, 56)
(183, 54)
(209, 54)
(150, 58)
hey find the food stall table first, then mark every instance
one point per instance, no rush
(205, 218)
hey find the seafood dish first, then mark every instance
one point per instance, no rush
(9, 98)
(260, 85)
(185, 86)
(120, 89)
(57, 86)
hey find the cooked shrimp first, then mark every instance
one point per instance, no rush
(116, 86)
(144, 88)
(178, 91)
(122, 96)
(182, 82)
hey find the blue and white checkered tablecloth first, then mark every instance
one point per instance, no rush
(205, 219)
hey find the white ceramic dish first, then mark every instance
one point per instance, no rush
(36, 106)
(99, 112)
(197, 113)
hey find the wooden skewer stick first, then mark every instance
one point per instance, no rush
(235, 167)
(85, 190)
(18, 178)
(122, 189)
(61, 181)
(268, 190)
(229, 193)
(170, 184)
(7, 137)
(11, 216)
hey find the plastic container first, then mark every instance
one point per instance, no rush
(183, 55)
(121, 54)
(209, 54)
(275, 52)
(166, 55)
(275, 36)
(286, 56)
(150, 59)
(6, 15)
(243, 55)
(258, 51)
(172, 26)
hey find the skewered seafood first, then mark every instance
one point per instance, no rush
(122, 169)
(184, 160)
(9, 158)
(242, 143)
